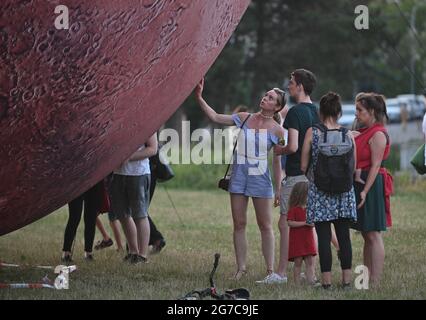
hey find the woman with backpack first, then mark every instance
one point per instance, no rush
(331, 197)
(373, 147)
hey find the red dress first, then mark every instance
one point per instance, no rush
(301, 239)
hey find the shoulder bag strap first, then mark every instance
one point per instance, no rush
(235, 145)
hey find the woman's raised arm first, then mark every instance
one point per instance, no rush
(211, 114)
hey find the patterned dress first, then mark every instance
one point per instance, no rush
(323, 206)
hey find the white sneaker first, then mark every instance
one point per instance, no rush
(273, 278)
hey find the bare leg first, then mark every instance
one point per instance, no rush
(377, 256)
(130, 232)
(143, 230)
(115, 229)
(326, 278)
(314, 258)
(263, 208)
(346, 276)
(367, 252)
(239, 217)
(310, 268)
(297, 269)
(284, 232)
(101, 228)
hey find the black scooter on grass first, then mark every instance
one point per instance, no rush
(230, 294)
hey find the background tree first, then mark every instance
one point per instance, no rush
(278, 36)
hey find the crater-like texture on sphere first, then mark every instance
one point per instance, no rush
(75, 103)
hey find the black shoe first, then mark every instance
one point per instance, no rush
(66, 258)
(104, 244)
(127, 257)
(158, 246)
(89, 257)
(346, 287)
(137, 259)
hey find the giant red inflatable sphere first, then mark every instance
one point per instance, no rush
(75, 103)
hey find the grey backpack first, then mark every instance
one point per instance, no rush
(333, 172)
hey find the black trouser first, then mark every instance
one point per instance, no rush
(324, 243)
(154, 235)
(91, 200)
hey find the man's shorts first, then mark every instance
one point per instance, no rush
(286, 186)
(130, 196)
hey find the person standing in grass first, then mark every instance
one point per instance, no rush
(302, 246)
(91, 201)
(130, 199)
(424, 132)
(113, 221)
(106, 239)
(156, 238)
(323, 207)
(298, 120)
(250, 176)
(373, 147)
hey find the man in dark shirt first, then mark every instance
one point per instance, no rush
(299, 119)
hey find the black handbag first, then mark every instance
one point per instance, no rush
(224, 182)
(162, 171)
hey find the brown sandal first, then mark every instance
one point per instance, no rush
(239, 274)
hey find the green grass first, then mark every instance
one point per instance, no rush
(186, 261)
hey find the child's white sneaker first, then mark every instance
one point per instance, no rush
(273, 278)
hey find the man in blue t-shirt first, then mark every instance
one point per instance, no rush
(299, 119)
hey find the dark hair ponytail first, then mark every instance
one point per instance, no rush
(382, 110)
(376, 103)
(330, 106)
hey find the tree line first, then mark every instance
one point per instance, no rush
(278, 36)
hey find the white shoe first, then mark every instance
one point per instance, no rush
(273, 278)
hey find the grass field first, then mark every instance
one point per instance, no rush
(186, 261)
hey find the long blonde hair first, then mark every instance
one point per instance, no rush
(282, 100)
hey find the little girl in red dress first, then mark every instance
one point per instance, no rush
(302, 246)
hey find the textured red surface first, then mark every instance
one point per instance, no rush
(75, 103)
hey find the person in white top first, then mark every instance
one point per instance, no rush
(130, 199)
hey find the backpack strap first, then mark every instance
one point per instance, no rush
(321, 127)
(344, 132)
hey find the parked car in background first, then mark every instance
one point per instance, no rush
(348, 115)
(393, 107)
(415, 104)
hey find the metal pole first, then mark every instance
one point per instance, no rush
(413, 48)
